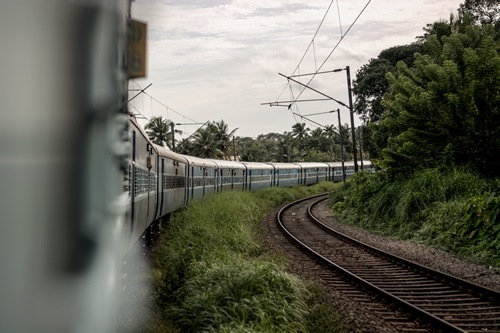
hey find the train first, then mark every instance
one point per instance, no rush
(160, 181)
(81, 181)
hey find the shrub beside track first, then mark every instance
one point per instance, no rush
(212, 273)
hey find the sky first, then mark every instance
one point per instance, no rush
(212, 60)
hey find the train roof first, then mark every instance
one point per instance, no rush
(313, 165)
(348, 163)
(258, 165)
(334, 164)
(197, 161)
(282, 166)
(141, 130)
(164, 152)
(228, 164)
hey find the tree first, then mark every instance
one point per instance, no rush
(445, 109)
(223, 137)
(300, 131)
(286, 150)
(159, 131)
(185, 147)
(253, 150)
(482, 11)
(204, 144)
(371, 84)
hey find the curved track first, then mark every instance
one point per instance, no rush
(447, 303)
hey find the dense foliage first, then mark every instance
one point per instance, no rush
(214, 276)
(215, 140)
(445, 110)
(433, 116)
(438, 105)
(159, 131)
(455, 210)
(371, 83)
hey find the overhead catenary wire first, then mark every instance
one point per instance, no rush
(340, 21)
(343, 35)
(169, 108)
(336, 46)
(309, 46)
(142, 91)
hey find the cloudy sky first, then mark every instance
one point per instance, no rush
(220, 59)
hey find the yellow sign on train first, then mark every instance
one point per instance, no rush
(137, 49)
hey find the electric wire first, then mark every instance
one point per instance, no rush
(309, 46)
(161, 103)
(169, 108)
(336, 46)
(340, 21)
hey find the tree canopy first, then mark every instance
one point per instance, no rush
(444, 110)
(371, 84)
(434, 103)
(159, 131)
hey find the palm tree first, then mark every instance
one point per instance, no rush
(285, 149)
(185, 147)
(332, 134)
(159, 131)
(299, 130)
(222, 137)
(204, 145)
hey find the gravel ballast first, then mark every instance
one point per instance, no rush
(358, 316)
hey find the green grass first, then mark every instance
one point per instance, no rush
(213, 275)
(455, 210)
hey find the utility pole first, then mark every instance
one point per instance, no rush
(172, 128)
(341, 147)
(351, 109)
(350, 106)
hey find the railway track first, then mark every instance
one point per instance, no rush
(444, 302)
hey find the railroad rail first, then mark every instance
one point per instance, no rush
(446, 302)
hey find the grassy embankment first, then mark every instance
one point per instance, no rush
(212, 273)
(454, 210)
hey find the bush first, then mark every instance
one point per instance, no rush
(481, 228)
(213, 274)
(444, 208)
(252, 294)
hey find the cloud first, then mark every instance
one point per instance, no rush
(220, 58)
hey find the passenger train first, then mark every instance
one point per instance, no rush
(67, 144)
(161, 181)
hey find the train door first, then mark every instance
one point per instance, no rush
(133, 182)
(161, 185)
(204, 179)
(219, 174)
(186, 184)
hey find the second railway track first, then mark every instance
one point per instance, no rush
(446, 303)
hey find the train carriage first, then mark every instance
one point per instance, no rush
(335, 171)
(230, 175)
(313, 172)
(368, 166)
(142, 181)
(286, 174)
(173, 171)
(258, 175)
(201, 177)
(349, 168)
